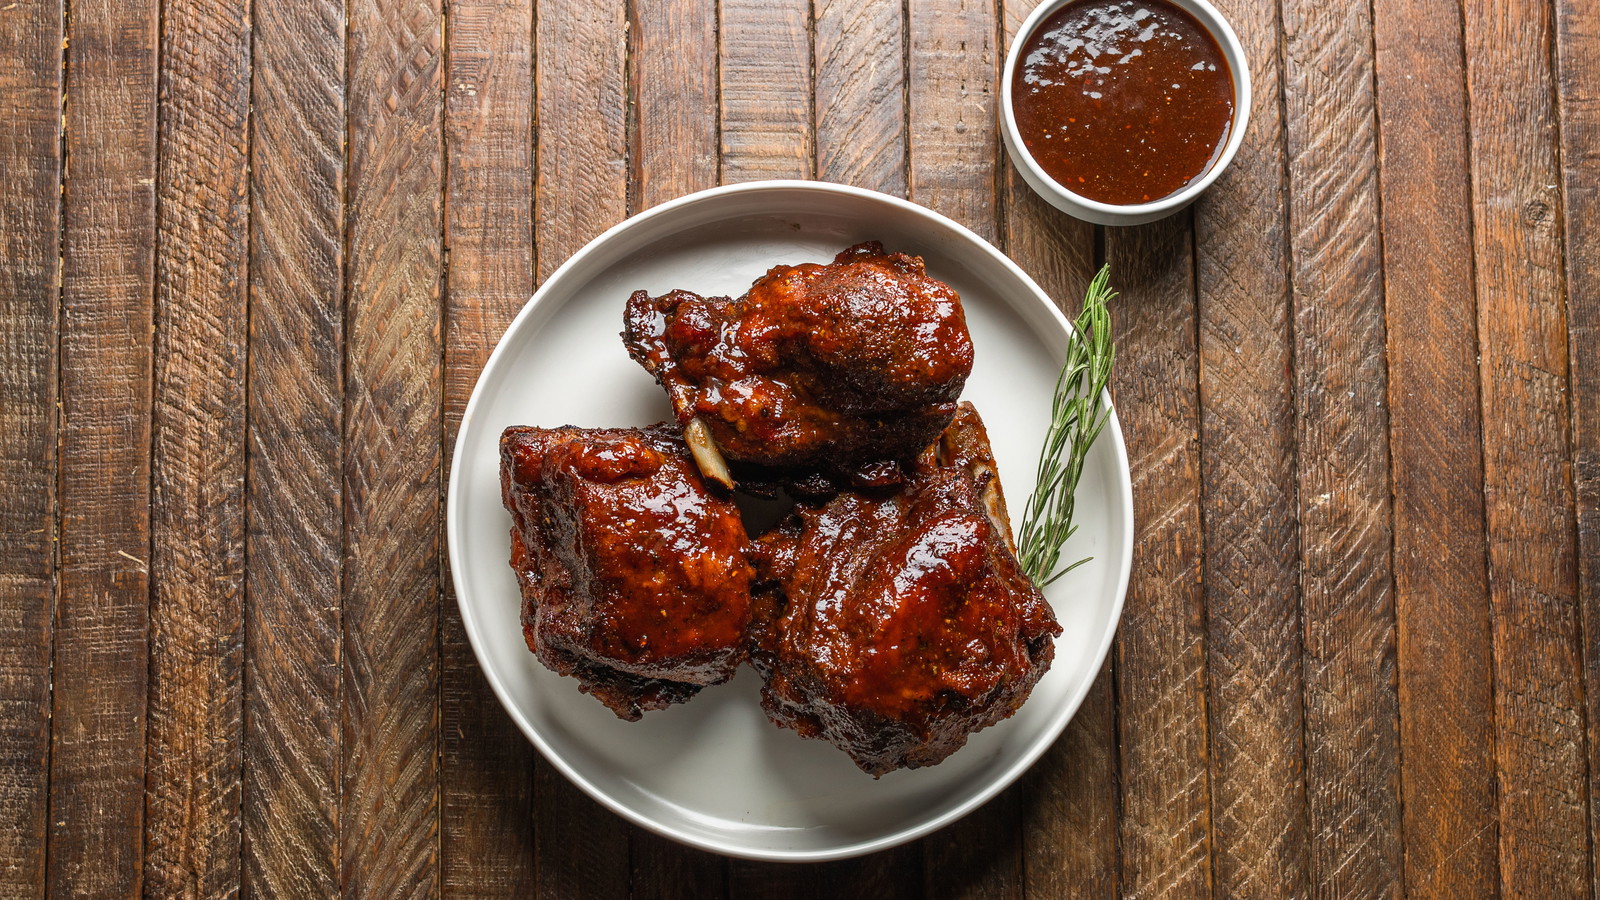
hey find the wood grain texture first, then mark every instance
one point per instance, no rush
(1057, 250)
(1069, 840)
(859, 60)
(582, 848)
(1069, 828)
(486, 765)
(1441, 581)
(889, 874)
(294, 576)
(30, 294)
(766, 91)
(101, 663)
(860, 107)
(582, 142)
(674, 145)
(951, 71)
(193, 758)
(663, 869)
(1362, 656)
(1578, 98)
(581, 190)
(1251, 572)
(1522, 333)
(1351, 708)
(1578, 85)
(389, 806)
(979, 856)
(951, 85)
(674, 149)
(1165, 814)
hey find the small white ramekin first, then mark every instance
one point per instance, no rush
(1134, 213)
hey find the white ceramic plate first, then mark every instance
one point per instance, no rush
(714, 772)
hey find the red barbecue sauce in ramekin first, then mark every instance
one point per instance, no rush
(1123, 101)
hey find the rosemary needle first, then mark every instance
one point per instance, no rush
(1076, 419)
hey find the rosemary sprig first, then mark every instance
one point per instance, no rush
(1076, 418)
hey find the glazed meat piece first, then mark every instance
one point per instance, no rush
(833, 367)
(635, 576)
(895, 626)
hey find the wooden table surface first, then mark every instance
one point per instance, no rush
(256, 252)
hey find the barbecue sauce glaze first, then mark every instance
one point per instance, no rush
(1123, 101)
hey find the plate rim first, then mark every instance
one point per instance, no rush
(1055, 726)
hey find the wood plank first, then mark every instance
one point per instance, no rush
(101, 664)
(30, 294)
(1578, 86)
(888, 874)
(951, 157)
(859, 54)
(1069, 843)
(193, 758)
(1522, 333)
(663, 869)
(1072, 845)
(581, 190)
(1351, 708)
(582, 142)
(764, 67)
(1165, 815)
(1251, 572)
(1056, 250)
(389, 807)
(580, 846)
(1441, 583)
(859, 118)
(953, 107)
(294, 577)
(766, 107)
(674, 149)
(486, 766)
(1069, 840)
(979, 856)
